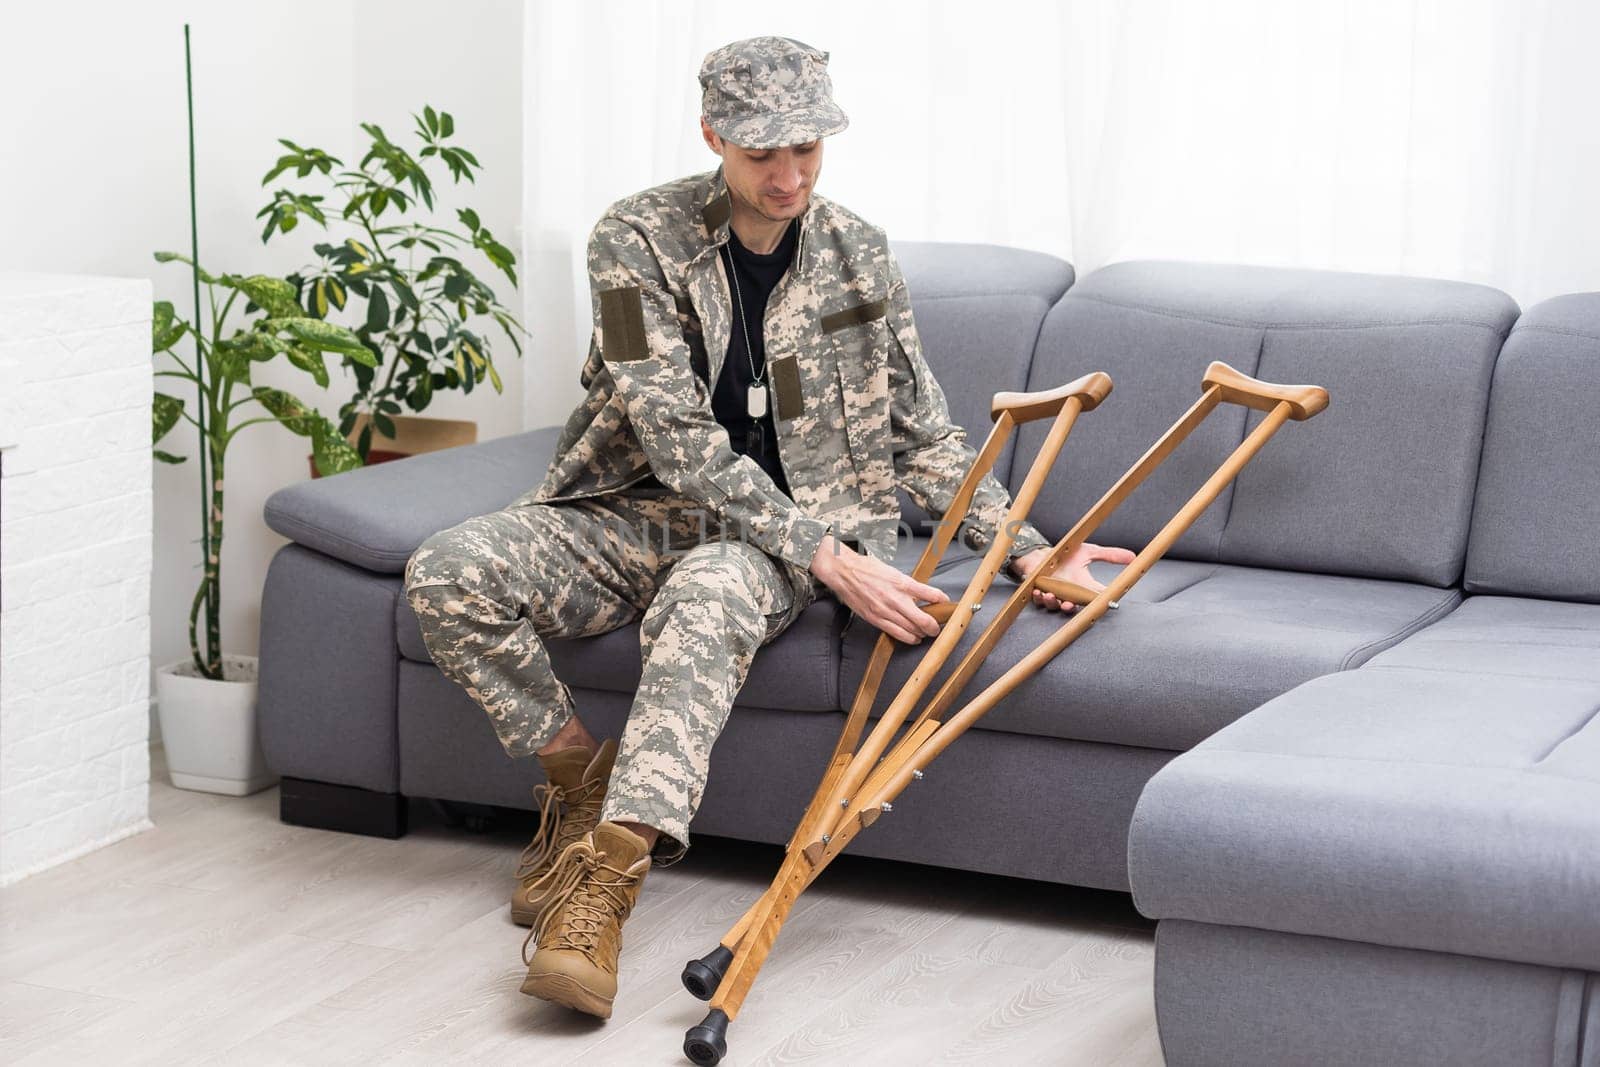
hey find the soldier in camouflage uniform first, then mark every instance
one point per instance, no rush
(654, 506)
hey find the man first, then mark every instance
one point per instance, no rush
(756, 394)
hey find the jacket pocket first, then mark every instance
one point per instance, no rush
(861, 363)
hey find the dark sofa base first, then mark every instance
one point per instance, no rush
(347, 808)
(997, 803)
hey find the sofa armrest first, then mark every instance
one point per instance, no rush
(375, 517)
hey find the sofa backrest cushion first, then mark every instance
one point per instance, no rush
(1379, 485)
(978, 309)
(1536, 518)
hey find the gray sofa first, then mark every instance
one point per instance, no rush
(1337, 742)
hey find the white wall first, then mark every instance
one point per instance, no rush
(75, 517)
(94, 176)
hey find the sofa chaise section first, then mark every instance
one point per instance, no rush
(1430, 822)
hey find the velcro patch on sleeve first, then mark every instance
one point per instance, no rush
(622, 324)
(786, 384)
(854, 316)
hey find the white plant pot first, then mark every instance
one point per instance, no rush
(208, 727)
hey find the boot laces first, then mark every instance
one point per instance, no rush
(549, 799)
(556, 829)
(586, 900)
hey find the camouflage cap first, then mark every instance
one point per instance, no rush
(767, 92)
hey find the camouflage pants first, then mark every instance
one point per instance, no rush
(488, 591)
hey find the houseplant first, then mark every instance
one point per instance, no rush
(206, 704)
(397, 275)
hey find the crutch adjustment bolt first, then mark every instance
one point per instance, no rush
(826, 838)
(845, 804)
(887, 807)
(917, 775)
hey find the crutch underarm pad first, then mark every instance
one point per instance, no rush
(1236, 388)
(1025, 407)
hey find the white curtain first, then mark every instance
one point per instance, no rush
(1446, 138)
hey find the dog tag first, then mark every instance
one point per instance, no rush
(756, 400)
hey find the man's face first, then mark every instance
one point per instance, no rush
(776, 183)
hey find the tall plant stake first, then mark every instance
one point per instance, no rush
(211, 665)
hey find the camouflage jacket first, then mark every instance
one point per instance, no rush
(856, 408)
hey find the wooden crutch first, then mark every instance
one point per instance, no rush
(858, 786)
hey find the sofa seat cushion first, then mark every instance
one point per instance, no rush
(1508, 635)
(1416, 808)
(1193, 647)
(797, 671)
(375, 517)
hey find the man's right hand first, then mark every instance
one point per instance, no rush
(876, 591)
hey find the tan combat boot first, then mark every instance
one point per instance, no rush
(589, 894)
(580, 782)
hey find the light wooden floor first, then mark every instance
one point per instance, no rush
(225, 937)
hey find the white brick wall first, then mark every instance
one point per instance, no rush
(75, 562)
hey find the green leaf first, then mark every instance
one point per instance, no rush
(164, 414)
(308, 360)
(433, 119)
(168, 257)
(165, 326)
(494, 379)
(273, 295)
(447, 125)
(422, 393)
(334, 454)
(232, 356)
(168, 457)
(498, 254)
(470, 217)
(326, 337)
(408, 298)
(254, 345)
(297, 418)
(384, 424)
(377, 311)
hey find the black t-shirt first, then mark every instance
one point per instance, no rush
(757, 275)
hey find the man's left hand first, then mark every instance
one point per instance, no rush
(1075, 568)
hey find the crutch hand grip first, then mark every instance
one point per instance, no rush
(1025, 407)
(1062, 589)
(941, 612)
(1304, 400)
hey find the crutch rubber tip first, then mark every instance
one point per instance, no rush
(707, 1043)
(702, 976)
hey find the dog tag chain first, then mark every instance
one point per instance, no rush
(756, 395)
